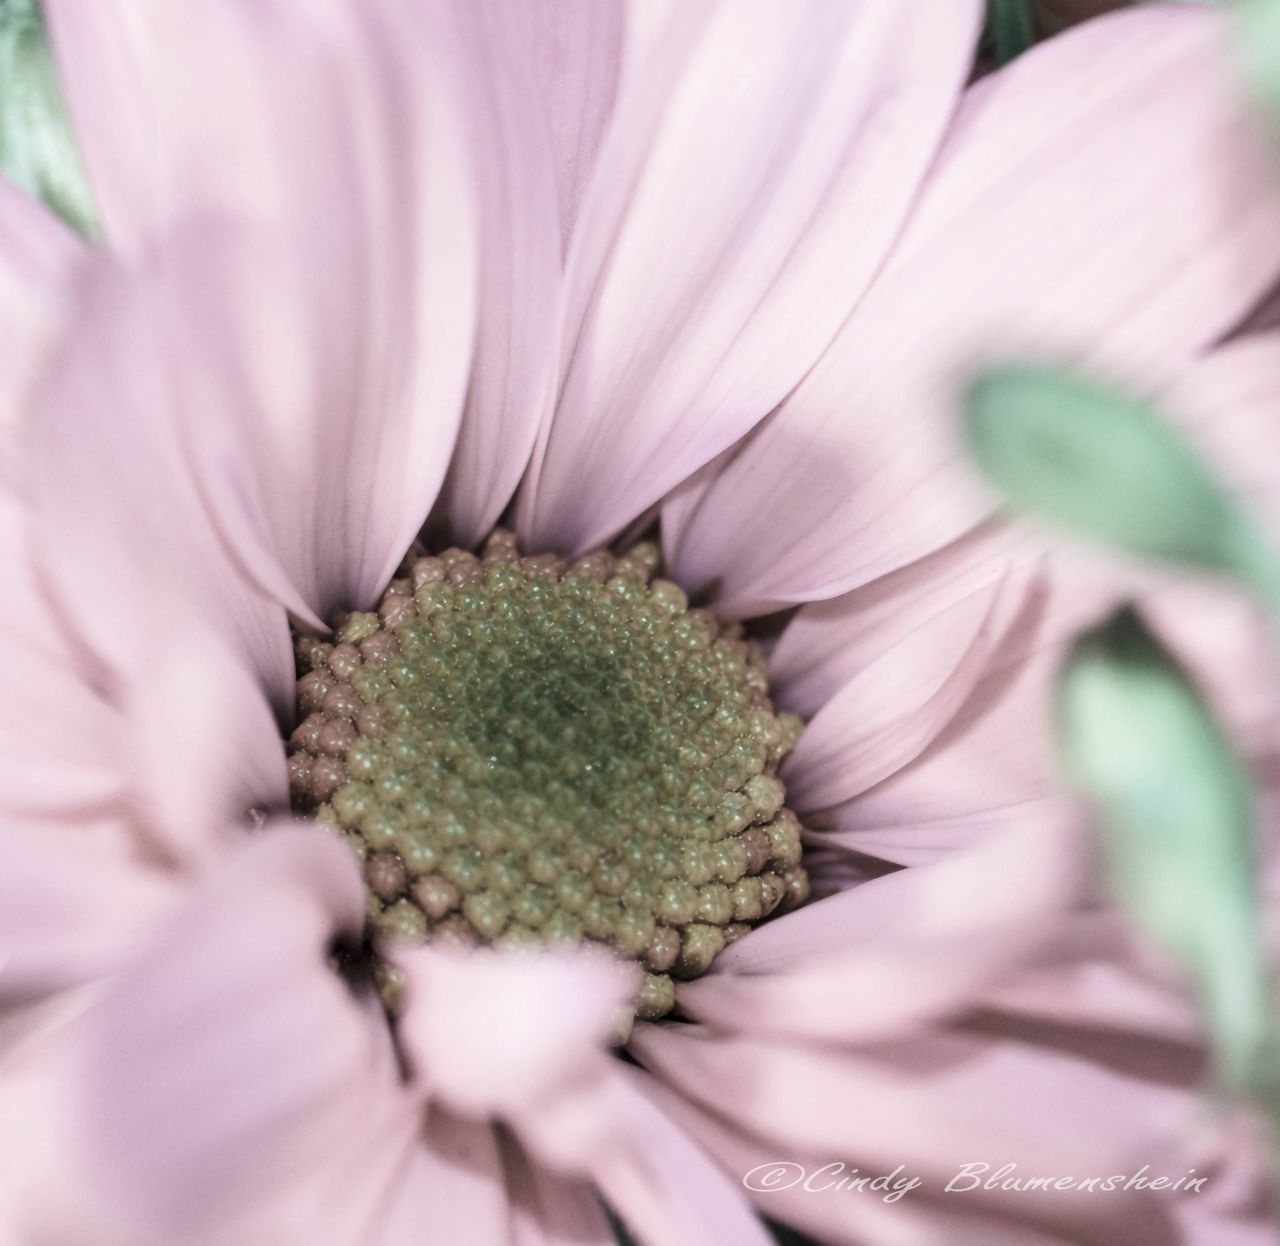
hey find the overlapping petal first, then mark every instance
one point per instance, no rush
(576, 48)
(204, 749)
(932, 1103)
(230, 1066)
(39, 256)
(72, 913)
(59, 738)
(992, 762)
(522, 1038)
(758, 165)
(867, 963)
(1080, 1061)
(126, 539)
(551, 1210)
(512, 141)
(450, 1187)
(1125, 224)
(826, 643)
(888, 713)
(347, 340)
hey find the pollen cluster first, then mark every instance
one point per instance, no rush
(524, 750)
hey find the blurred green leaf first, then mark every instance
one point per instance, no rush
(37, 150)
(1175, 807)
(1105, 465)
(1258, 49)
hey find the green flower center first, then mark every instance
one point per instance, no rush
(524, 751)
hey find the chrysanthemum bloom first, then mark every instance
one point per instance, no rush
(397, 269)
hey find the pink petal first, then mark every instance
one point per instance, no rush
(1074, 1063)
(827, 643)
(661, 1184)
(937, 1102)
(995, 764)
(1227, 401)
(205, 748)
(452, 1188)
(522, 1037)
(992, 764)
(513, 379)
(38, 259)
(549, 1209)
(1125, 225)
(500, 1032)
(576, 47)
(59, 746)
(127, 541)
(1088, 981)
(874, 960)
(760, 160)
(895, 706)
(231, 1081)
(110, 57)
(33, 1089)
(842, 1219)
(337, 353)
(73, 908)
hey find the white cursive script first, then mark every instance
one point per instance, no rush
(784, 1174)
(974, 1177)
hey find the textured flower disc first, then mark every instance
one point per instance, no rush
(524, 751)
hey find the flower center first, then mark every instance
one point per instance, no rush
(524, 751)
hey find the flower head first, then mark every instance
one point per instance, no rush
(388, 273)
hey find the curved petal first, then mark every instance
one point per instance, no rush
(127, 543)
(1088, 981)
(513, 379)
(872, 961)
(662, 1184)
(205, 748)
(452, 1189)
(229, 1086)
(760, 161)
(1227, 403)
(551, 1210)
(994, 765)
(331, 131)
(59, 738)
(936, 1103)
(1073, 1062)
(827, 643)
(72, 910)
(110, 59)
(890, 711)
(521, 1036)
(1126, 225)
(38, 259)
(464, 1010)
(845, 1219)
(576, 46)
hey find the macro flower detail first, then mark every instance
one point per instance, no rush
(524, 750)
(411, 324)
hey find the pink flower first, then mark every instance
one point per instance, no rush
(717, 267)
